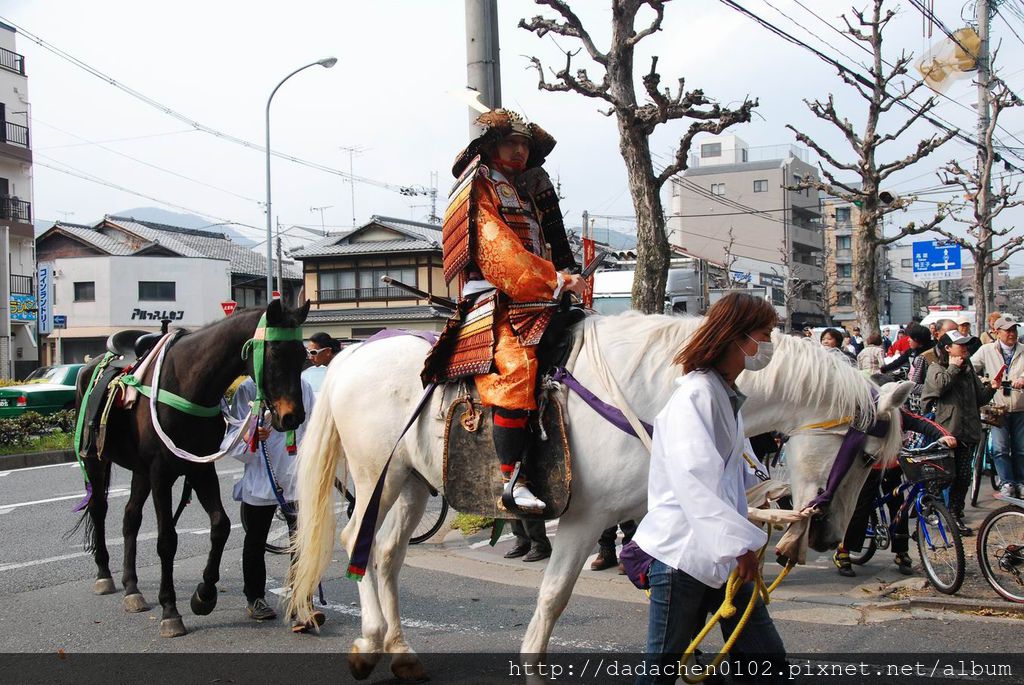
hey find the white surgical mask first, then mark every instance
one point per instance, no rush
(759, 359)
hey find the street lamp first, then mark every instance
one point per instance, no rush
(326, 63)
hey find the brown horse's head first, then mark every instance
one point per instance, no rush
(282, 367)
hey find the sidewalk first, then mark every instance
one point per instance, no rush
(30, 459)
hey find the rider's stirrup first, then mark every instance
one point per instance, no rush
(516, 497)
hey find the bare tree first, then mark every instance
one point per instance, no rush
(878, 90)
(828, 284)
(636, 121)
(989, 246)
(730, 259)
(794, 288)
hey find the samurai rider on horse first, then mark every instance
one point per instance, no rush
(505, 242)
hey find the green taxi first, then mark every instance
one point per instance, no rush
(47, 390)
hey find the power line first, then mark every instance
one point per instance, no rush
(197, 125)
(853, 74)
(36, 120)
(71, 171)
(111, 140)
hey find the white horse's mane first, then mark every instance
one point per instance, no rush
(800, 372)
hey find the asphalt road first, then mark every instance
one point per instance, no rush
(458, 595)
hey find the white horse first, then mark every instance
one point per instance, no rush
(370, 392)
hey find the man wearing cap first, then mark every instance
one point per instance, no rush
(942, 326)
(954, 391)
(1003, 361)
(963, 325)
(505, 242)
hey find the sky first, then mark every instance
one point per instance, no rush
(389, 96)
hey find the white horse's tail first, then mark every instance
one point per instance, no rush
(319, 457)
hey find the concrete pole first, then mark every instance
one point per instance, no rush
(483, 66)
(984, 109)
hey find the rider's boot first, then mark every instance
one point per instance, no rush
(510, 437)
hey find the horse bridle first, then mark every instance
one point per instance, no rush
(852, 446)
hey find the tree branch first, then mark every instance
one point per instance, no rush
(571, 27)
(659, 8)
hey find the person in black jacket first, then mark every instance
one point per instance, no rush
(882, 479)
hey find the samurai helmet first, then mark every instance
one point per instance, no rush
(498, 123)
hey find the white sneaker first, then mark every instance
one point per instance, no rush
(1007, 490)
(525, 499)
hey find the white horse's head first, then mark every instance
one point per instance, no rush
(811, 454)
(815, 397)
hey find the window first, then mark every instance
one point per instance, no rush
(778, 297)
(761, 186)
(907, 263)
(843, 242)
(337, 280)
(249, 297)
(362, 333)
(156, 291)
(85, 291)
(353, 285)
(844, 270)
(711, 150)
(718, 189)
(842, 215)
(844, 299)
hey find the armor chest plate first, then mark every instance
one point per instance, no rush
(518, 212)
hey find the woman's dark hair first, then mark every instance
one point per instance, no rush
(728, 319)
(919, 334)
(322, 340)
(874, 339)
(833, 333)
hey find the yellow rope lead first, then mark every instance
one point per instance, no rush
(728, 610)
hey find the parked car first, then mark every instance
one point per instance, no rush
(46, 390)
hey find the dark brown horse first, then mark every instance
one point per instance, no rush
(199, 367)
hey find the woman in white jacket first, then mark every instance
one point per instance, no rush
(696, 527)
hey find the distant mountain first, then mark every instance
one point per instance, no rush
(613, 239)
(163, 216)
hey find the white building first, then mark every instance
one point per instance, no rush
(18, 347)
(123, 273)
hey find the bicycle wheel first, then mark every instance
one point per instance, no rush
(977, 471)
(1001, 552)
(940, 546)
(870, 545)
(432, 520)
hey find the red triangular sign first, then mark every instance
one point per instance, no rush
(228, 307)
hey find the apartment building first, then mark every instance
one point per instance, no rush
(19, 351)
(733, 206)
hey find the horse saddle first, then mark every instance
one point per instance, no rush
(472, 482)
(130, 346)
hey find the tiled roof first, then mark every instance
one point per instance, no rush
(182, 241)
(415, 313)
(419, 237)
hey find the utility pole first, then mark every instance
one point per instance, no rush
(280, 266)
(984, 180)
(483, 66)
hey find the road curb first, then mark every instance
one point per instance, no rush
(961, 604)
(9, 462)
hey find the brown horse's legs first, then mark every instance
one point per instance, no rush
(171, 624)
(207, 489)
(99, 478)
(133, 599)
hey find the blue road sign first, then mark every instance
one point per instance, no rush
(60, 321)
(937, 260)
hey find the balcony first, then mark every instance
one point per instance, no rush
(15, 134)
(12, 61)
(807, 272)
(363, 295)
(21, 285)
(13, 209)
(805, 236)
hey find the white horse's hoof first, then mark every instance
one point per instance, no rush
(104, 586)
(362, 665)
(407, 668)
(135, 603)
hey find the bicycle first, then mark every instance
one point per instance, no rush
(925, 472)
(1001, 549)
(983, 463)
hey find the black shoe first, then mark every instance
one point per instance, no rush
(904, 564)
(520, 549)
(605, 559)
(259, 610)
(961, 527)
(537, 553)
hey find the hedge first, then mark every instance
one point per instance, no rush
(21, 430)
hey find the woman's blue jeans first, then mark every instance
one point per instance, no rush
(680, 605)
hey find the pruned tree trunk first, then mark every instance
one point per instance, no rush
(652, 250)
(865, 278)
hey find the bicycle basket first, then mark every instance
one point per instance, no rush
(993, 415)
(932, 466)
